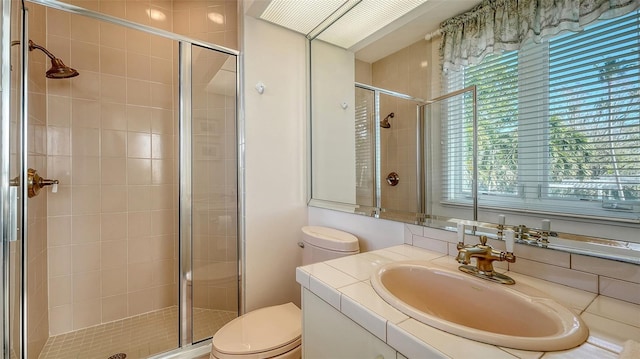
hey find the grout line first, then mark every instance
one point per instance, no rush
(141, 335)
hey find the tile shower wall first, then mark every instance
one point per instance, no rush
(406, 71)
(111, 135)
(398, 153)
(213, 21)
(112, 144)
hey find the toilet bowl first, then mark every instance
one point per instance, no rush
(276, 331)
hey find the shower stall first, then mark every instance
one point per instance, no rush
(389, 145)
(119, 182)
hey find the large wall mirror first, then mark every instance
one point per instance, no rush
(387, 141)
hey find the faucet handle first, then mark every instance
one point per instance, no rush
(509, 240)
(460, 233)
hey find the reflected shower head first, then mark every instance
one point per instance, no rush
(385, 122)
(58, 69)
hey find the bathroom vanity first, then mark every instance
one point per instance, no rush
(344, 317)
(330, 334)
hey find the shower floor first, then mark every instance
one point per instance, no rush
(138, 337)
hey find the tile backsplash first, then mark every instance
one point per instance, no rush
(610, 278)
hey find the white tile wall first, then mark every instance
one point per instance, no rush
(607, 277)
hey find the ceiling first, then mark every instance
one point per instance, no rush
(407, 29)
(410, 29)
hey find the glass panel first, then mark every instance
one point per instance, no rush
(398, 154)
(333, 159)
(102, 249)
(104, 245)
(365, 147)
(450, 156)
(214, 184)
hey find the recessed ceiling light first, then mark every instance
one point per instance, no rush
(340, 22)
(365, 19)
(300, 15)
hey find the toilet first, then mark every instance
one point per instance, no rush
(276, 331)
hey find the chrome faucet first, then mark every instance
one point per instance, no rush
(485, 255)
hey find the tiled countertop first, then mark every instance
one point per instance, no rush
(344, 284)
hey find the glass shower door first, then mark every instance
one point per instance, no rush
(214, 191)
(365, 115)
(398, 149)
(111, 136)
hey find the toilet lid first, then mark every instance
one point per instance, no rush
(330, 238)
(259, 331)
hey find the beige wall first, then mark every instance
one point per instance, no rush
(363, 72)
(333, 132)
(275, 166)
(406, 71)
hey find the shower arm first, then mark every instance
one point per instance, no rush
(32, 46)
(58, 69)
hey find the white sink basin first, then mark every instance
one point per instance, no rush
(517, 316)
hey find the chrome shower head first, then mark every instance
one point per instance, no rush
(385, 122)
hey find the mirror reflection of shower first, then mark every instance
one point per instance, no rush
(58, 69)
(385, 122)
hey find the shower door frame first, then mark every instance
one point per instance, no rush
(377, 91)
(5, 209)
(185, 303)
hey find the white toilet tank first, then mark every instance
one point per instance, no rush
(323, 243)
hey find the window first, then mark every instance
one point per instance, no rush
(558, 124)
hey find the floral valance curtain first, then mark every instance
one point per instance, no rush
(497, 25)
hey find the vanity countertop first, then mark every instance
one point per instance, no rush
(344, 284)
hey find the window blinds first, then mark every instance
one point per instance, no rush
(456, 114)
(594, 110)
(559, 124)
(365, 146)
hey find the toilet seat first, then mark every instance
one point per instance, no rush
(262, 333)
